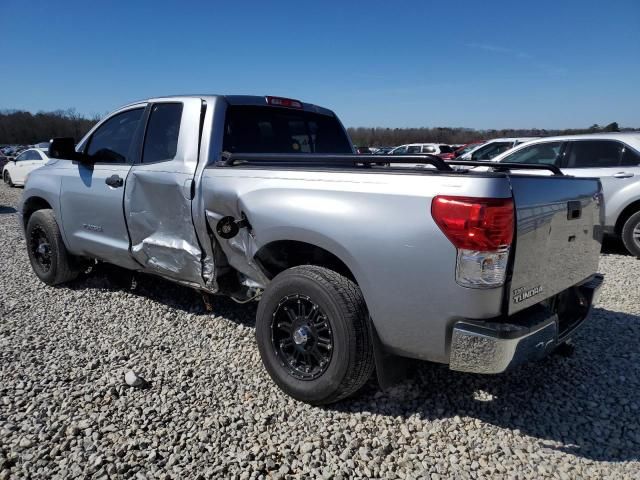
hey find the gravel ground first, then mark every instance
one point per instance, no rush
(210, 410)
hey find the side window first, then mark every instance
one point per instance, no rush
(594, 154)
(413, 149)
(428, 149)
(630, 158)
(110, 143)
(541, 153)
(36, 155)
(161, 139)
(21, 157)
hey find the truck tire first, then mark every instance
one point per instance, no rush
(631, 234)
(49, 257)
(312, 330)
(7, 179)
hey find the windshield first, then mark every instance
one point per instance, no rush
(251, 129)
(490, 150)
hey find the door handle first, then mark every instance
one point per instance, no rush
(623, 175)
(114, 181)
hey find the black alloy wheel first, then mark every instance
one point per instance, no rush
(301, 336)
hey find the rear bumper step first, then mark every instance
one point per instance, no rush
(493, 347)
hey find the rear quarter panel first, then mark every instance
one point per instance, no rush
(380, 226)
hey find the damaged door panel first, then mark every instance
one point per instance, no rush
(158, 194)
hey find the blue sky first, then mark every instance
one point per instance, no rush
(388, 63)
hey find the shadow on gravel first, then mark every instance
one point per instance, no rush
(614, 246)
(112, 278)
(586, 405)
(5, 210)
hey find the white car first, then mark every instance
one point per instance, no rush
(493, 148)
(613, 157)
(431, 148)
(16, 171)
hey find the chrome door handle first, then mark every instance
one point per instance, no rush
(623, 175)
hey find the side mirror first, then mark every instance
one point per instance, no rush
(65, 148)
(62, 147)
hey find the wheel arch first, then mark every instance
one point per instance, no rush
(279, 255)
(627, 211)
(31, 205)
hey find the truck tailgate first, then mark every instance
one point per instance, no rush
(558, 236)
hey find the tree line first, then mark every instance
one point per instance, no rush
(24, 128)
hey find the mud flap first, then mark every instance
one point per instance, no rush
(390, 369)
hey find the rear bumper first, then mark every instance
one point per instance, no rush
(493, 346)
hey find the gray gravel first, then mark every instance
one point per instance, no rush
(208, 408)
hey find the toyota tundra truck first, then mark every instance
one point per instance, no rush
(354, 260)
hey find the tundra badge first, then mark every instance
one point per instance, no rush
(521, 294)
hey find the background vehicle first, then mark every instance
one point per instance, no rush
(493, 148)
(362, 150)
(383, 150)
(352, 262)
(430, 148)
(466, 148)
(612, 157)
(16, 171)
(3, 161)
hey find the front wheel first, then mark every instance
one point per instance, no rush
(631, 234)
(49, 257)
(7, 179)
(312, 329)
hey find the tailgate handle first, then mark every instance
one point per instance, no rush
(574, 210)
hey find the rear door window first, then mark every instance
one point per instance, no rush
(161, 139)
(541, 153)
(413, 149)
(594, 154)
(250, 129)
(428, 149)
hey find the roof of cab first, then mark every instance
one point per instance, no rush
(233, 100)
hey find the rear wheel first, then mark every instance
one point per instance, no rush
(631, 234)
(49, 257)
(7, 179)
(312, 330)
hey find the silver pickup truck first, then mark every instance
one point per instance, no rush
(356, 260)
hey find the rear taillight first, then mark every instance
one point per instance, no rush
(284, 102)
(482, 231)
